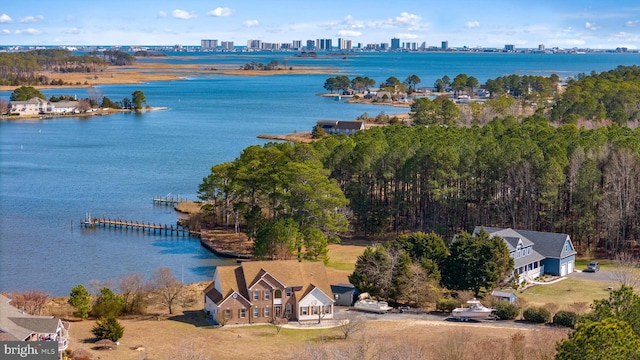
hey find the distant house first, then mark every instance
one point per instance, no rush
(340, 127)
(344, 294)
(65, 107)
(536, 253)
(258, 292)
(15, 325)
(33, 106)
(38, 106)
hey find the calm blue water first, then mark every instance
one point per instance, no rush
(53, 172)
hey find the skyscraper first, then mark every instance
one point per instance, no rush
(445, 45)
(395, 44)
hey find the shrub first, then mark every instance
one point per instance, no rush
(108, 328)
(506, 310)
(447, 304)
(537, 315)
(565, 318)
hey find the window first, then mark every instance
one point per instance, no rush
(336, 296)
(267, 294)
(227, 314)
(243, 313)
(256, 294)
(288, 291)
(315, 309)
(327, 309)
(518, 254)
(304, 310)
(535, 265)
(256, 312)
(267, 312)
(288, 309)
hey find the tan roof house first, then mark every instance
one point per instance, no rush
(15, 325)
(258, 292)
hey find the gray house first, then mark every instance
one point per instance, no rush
(340, 127)
(536, 253)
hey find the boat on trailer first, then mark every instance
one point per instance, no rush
(474, 311)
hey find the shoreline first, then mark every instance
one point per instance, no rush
(144, 72)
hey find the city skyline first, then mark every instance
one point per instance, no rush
(490, 24)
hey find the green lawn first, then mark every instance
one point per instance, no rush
(567, 292)
(605, 264)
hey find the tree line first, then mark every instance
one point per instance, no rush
(26, 68)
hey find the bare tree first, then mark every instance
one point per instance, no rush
(132, 289)
(627, 270)
(95, 95)
(4, 106)
(84, 105)
(350, 325)
(32, 302)
(189, 350)
(166, 287)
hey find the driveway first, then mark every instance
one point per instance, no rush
(602, 275)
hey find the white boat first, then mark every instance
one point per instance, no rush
(370, 305)
(475, 311)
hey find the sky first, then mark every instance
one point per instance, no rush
(525, 24)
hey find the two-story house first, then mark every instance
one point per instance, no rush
(536, 253)
(265, 291)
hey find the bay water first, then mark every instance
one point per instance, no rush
(55, 172)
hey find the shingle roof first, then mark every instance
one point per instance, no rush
(304, 276)
(548, 245)
(20, 325)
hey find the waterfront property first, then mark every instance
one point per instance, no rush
(258, 292)
(340, 127)
(536, 253)
(38, 106)
(15, 325)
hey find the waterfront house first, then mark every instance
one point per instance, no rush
(258, 292)
(536, 253)
(15, 325)
(33, 106)
(65, 107)
(340, 127)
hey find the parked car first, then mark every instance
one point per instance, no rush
(592, 267)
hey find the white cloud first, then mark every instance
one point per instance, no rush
(29, 31)
(251, 23)
(407, 36)
(472, 24)
(407, 19)
(591, 26)
(220, 12)
(4, 18)
(631, 23)
(72, 31)
(182, 14)
(31, 19)
(349, 33)
(69, 18)
(162, 13)
(6, 32)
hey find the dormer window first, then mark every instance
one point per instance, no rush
(288, 291)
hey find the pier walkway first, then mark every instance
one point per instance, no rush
(165, 229)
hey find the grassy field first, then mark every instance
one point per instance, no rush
(567, 292)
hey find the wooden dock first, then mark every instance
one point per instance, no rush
(168, 200)
(161, 229)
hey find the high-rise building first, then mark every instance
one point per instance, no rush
(311, 45)
(344, 44)
(208, 44)
(254, 44)
(227, 45)
(445, 45)
(296, 44)
(541, 47)
(395, 44)
(324, 44)
(509, 48)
